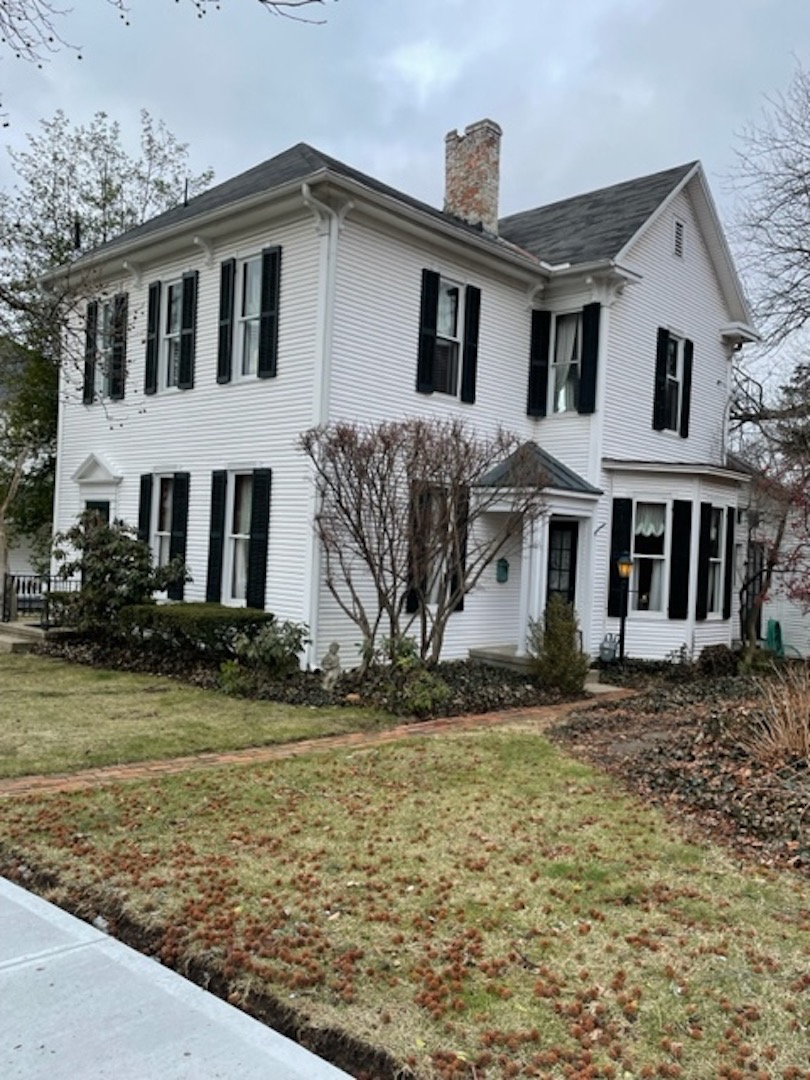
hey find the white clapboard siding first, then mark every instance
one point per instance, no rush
(680, 294)
(244, 424)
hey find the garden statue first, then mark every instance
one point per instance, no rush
(330, 667)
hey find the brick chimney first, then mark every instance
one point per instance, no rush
(472, 169)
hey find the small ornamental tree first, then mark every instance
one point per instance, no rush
(410, 515)
(115, 568)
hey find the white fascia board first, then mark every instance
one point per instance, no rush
(739, 332)
(717, 472)
(285, 200)
(719, 251)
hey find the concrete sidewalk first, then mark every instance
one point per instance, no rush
(79, 1005)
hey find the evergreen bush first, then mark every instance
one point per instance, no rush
(557, 660)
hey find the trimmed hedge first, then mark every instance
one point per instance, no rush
(192, 628)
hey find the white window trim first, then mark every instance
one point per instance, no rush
(166, 337)
(231, 538)
(156, 534)
(662, 612)
(239, 320)
(720, 563)
(680, 341)
(458, 339)
(105, 336)
(554, 365)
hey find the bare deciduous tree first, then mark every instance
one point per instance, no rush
(409, 520)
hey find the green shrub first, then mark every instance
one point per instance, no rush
(235, 680)
(194, 628)
(273, 647)
(423, 693)
(716, 661)
(115, 568)
(557, 660)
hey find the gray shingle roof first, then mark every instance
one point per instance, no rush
(297, 164)
(591, 227)
(530, 463)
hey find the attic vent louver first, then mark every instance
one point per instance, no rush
(678, 244)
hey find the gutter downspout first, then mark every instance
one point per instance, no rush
(328, 226)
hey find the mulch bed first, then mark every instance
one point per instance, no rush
(474, 688)
(678, 746)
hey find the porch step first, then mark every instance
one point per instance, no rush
(20, 637)
(501, 656)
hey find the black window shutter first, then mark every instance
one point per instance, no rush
(90, 335)
(679, 559)
(177, 540)
(621, 536)
(145, 508)
(538, 363)
(728, 569)
(216, 536)
(702, 605)
(591, 315)
(227, 278)
(472, 319)
(456, 579)
(428, 315)
(257, 545)
(268, 324)
(152, 339)
(118, 370)
(188, 330)
(660, 391)
(686, 387)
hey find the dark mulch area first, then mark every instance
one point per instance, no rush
(474, 688)
(678, 746)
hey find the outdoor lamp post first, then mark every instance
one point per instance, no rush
(624, 564)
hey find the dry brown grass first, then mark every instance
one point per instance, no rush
(480, 907)
(780, 730)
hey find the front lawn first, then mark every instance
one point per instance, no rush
(59, 717)
(464, 906)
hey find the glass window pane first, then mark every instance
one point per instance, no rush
(672, 356)
(447, 317)
(250, 347)
(242, 496)
(165, 504)
(173, 309)
(239, 573)
(251, 287)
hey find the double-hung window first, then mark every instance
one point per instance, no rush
(249, 298)
(714, 596)
(647, 587)
(171, 334)
(162, 536)
(105, 349)
(449, 317)
(448, 345)
(239, 537)
(170, 345)
(248, 316)
(565, 366)
(241, 497)
(673, 383)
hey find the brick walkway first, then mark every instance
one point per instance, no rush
(540, 717)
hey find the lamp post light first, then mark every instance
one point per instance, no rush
(624, 564)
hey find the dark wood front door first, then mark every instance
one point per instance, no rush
(562, 560)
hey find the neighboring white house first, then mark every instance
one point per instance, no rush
(600, 328)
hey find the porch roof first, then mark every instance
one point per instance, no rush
(532, 463)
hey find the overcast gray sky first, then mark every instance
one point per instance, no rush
(588, 92)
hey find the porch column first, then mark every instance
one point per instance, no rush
(532, 578)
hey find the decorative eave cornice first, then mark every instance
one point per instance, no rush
(679, 468)
(739, 334)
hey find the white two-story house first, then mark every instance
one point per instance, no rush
(600, 330)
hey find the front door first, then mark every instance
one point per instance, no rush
(562, 560)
